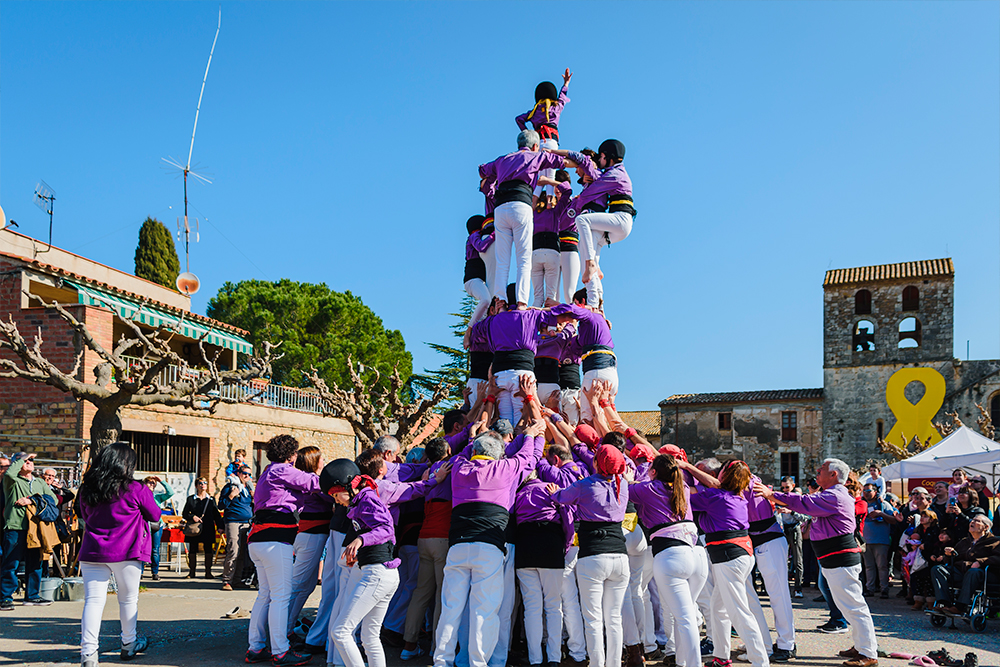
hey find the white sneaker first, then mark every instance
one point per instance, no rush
(89, 660)
(129, 651)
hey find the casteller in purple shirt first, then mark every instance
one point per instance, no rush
(119, 530)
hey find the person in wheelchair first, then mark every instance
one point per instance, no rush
(967, 567)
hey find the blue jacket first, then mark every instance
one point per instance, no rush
(237, 510)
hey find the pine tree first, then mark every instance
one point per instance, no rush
(155, 256)
(456, 370)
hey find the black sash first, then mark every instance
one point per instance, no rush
(509, 191)
(513, 360)
(475, 268)
(540, 544)
(479, 365)
(569, 376)
(601, 537)
(598, 360)
(545, 240)
(546, 370)
(479, 522)
(837, 551)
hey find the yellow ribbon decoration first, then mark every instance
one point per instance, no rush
(915, 419)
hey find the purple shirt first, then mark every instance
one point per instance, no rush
(489, 481)
(440, 491)
(534, 503)
(548, 220)
(722, 510)
(119, 530)
(477, 243)
(833, 510)
(759, 508)
(512, 330)
(317, 502)
(370, 513)
(283, 487)
(404, 472)
(542, 114)
(584, 456)
(594, 499)
(592, 328)
(552, 344)
(652, 503)
(563, 475)
(523, 165)
(457, 441)
(394, 494)
(489, 190)
(608, 184)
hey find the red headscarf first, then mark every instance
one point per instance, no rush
(610, 462)
(642, 452)
(674, 451)
(357, 485)
(586, 434)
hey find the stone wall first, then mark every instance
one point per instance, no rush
(755, 436)
(854, 402)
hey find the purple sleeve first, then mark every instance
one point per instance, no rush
(815, 504)
(569, 495)
(584, 455)
(481, 243)
(147, 504)
(372, 514)
(396, 493)
(562, 93)
(589, 168)
(530, 451)
(595, 191)
(547, 472)
(522, 121)
(488, 170)
(303, 481)
(411, 472)
(552, 161)
(459, 439)
(479, 334)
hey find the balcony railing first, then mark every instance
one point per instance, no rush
(255, 392)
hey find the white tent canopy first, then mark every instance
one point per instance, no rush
(963, 448)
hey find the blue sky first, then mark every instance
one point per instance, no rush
(767, 143)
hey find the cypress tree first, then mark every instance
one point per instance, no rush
(155, 256)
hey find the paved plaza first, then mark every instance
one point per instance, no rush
(183, 620)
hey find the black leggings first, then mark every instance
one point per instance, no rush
(209, 548)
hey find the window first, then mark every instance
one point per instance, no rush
(789, 426)
(789, 465)
(879, 429)
(909, 333)
(863, 302)
(995, 411)
(725, 421)
(159, 452)
(259, 458)
(911, 298)
(863, 339)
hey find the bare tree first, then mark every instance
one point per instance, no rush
(374, 410)
(119, 382)
(985, 422)
(906, 450)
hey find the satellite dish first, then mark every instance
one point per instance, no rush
(188, 283)
(3, 219)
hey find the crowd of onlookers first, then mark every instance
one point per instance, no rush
(937, 538)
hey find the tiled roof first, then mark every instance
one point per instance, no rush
(646, 422)
(744, 397)
(861, 274)
(57, 271)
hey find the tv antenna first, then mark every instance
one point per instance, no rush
(187, 282)
(44, 198)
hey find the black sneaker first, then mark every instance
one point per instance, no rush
(7, 605)
(37, 602)
(263, 655)
(291, 658)
(782, 655)
(707, 647)
(129, 651)
(832, 628)
(884, 595)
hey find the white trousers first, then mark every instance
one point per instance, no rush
(569, 263)
(606, 374)
(596, 231)
(680, 574)
(772, 561)
(395, 616)
(332, 568)
(489, 257)
(544, 275)
(576, 641)
(541, 590)
(545, 391)
(513, 224)
(603, 582)
(499, 656)
(478, 290)
(634, 623)
(475, 386)
(569, 405)
(473, 574)
(95, 586)
(551, 144)
(366, 603)
(730, 607)
(845, 586)
(269, 616)
(306, 552)
(508, 405)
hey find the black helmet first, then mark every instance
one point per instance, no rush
(613, 149)
(546, 90)
(338, 473)
(475, 223)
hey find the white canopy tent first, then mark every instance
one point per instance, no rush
(963, 448)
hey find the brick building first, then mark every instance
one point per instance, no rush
(176, 443)
(888, 371)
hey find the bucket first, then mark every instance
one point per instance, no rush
(72, 588)
(49, 587)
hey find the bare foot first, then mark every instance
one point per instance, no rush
(589, 268)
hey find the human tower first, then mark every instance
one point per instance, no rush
(538, 487)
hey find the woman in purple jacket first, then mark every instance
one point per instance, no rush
(116, 510)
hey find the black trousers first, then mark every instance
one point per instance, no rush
(208, 546)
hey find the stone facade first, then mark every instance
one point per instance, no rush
(762, 428)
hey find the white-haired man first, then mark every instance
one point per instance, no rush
(832, 536)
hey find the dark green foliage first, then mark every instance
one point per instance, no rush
(455, 371)
(315, 326)
(155, 256)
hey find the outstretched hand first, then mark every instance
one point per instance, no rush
(534, 429)
(763, 491)
(442, 473)
(567, 75)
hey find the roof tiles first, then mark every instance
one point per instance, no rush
(744, 397)
(861, 274)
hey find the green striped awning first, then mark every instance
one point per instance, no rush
(150, 316)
